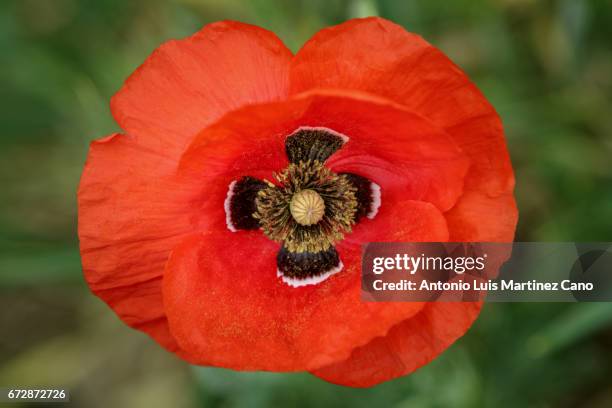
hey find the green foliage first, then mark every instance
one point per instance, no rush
(545, 65)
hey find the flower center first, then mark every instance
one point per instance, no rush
(307, 207)
(310, 209)
(307, 210)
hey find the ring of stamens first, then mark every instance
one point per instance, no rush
(324, 206)
(307, 209)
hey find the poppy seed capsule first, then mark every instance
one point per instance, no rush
(307, 207)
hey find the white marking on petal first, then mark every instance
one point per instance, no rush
(311, 280)
(376, 200)
(226, 206)
(342, 136)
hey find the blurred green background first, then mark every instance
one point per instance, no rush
(545, 65)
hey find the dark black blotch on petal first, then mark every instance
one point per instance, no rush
(242, 203)
(302, 265)
(312, 144)
(363, 194)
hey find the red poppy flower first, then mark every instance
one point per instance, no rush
(226, 222)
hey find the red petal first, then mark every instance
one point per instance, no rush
(478, 217)
(140, 306)
(227, 307)
(130, 214)
(408, 156)
(187, 84)
(377, 56)
(405, 154)
(408, 346)
(128, 223)
(415, 341)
